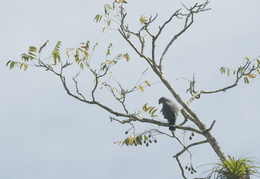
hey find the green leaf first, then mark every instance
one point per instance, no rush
(258, 70)
(108, 7)
(13, 64)
(44, 45)
(68, 52)
(228, 72)
(32, 55)
(98, 18)
(108, 22)
(138, 140)
(25, 57)
(32, 49)
(8, 62)
(56, 54)
(152, 114)
(246, 80)
(127, 141)
(108, 49)
(87, 45)
(222, 70)
(77, 56)
(258, 62)
(103, 66)
(150, 110)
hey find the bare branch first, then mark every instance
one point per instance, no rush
(172, 40)
(151, 121)
(242, 71)
(211, 126)
(188, 22)
(77, 88)
(176, 14)
(121, 99)
(182, 171)
(189, 146)
(151, 19)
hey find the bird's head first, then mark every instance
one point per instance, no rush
(162, 99)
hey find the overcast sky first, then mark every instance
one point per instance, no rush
(44, 133)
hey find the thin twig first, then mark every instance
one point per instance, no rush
(182, 171)
(189, 146)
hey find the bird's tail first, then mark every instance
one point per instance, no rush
(172, 128)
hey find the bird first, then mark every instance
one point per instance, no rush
(170, 111)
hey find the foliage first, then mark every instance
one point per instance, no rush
(151, 110)
(81, 56)
(246, 71)
(140, 139)
(232, 168)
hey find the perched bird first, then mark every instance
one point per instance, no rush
(169, 111)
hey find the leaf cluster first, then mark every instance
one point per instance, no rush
(246, 71)
(81, 55)
(32, 57)
(141, 139)
(109, 14)
(150, 110)
(233, 168)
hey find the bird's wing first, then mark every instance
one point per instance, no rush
(168, 113)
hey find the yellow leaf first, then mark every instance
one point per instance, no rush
(141, 88)
(127, 57)
(118, 142)
(145, 107)
(119, 55)
(251, 75)
(222, 70)
(131, 139)
(122, 1)
(143, 19)
(247, 58)
(122, 94)
(143, 39)
(25, 67)
(147, 83)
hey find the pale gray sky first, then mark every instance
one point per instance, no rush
(46, 134)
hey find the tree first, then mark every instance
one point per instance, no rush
(143, 41)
